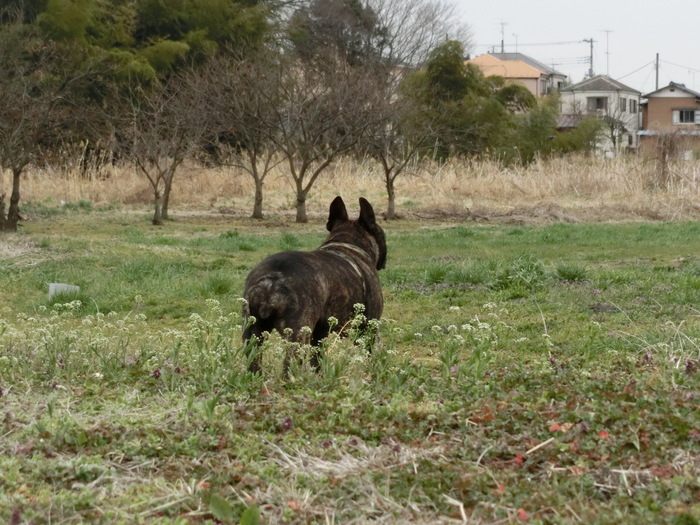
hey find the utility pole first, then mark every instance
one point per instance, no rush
(590, 69)
(656, 66)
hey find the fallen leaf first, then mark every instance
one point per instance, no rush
(522, 514)
(484, 415)
(602, 434)
(560, 427)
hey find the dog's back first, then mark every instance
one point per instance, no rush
(290, 290)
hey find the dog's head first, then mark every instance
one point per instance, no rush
(363, 232)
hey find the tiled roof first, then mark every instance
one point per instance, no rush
(599, 83)
(491, 65)
(529, 61)
(675, 85)
(568, 121)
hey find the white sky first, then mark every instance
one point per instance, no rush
(638, 30)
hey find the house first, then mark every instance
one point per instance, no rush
(672, 106)
(538, 78)
(672, 110)
(616, 104)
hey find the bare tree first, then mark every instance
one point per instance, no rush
(413, 28)
(617, 123)
(242, 95)
(36, 106)
(164, 124)
(321, 113)
(345, 54)
(393, 142)
(667, 143)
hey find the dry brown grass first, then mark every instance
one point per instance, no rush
(559, 189)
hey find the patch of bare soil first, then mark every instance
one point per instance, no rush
(550, 213)
(12, 248)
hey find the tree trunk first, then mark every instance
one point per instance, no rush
(164, 215)
(13, 212)
(301, 207)
(2, 212)
(258, 203)
(391, 206)
(158, 213)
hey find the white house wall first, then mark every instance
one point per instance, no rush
(569, 100)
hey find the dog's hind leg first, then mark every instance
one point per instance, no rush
(253, 334)
(252, 337)
(321, 331)
(264, 304)
(298, 334)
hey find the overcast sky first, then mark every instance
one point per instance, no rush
(637, 31)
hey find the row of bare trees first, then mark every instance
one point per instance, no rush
(255, 114)
(328, 86)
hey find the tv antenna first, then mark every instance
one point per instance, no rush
(607, 50)
(503, 30)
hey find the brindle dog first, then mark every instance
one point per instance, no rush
(291, 290)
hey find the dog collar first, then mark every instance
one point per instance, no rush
(329, 247)
(350, 247)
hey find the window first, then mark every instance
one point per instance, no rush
(623, 104)
(687, 116)
(633, 106)
(596, 103)
(684, 116)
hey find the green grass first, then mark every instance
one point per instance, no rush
(524, 374)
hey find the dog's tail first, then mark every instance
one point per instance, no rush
(266, 300)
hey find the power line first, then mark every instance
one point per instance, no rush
(536, 44)
(651, 70)
(636, 70)
(683, 67)
(571, 60)
(552, 43)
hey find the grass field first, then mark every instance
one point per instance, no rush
(525, 374)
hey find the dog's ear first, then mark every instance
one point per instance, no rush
(367, 218)
(337, 214)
